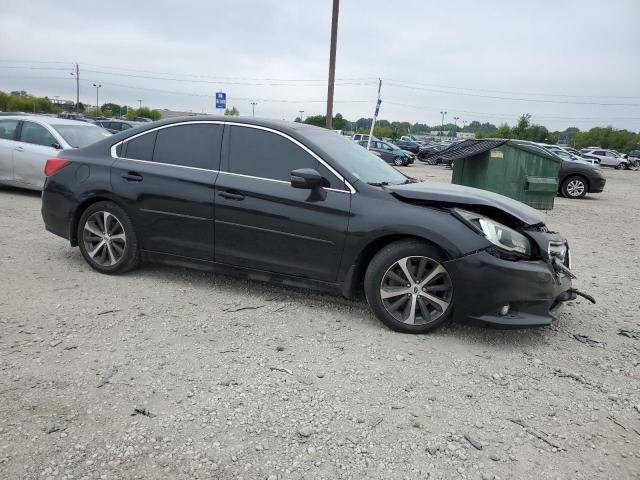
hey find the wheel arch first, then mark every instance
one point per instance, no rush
(86, 203)
(355, 276)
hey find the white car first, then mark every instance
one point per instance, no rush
(608, 158)
(28, 141)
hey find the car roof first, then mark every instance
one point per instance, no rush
(45, 120)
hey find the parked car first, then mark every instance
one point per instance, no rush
(429, 153)
(390, 153)
(408, 145)
(143, 119)
(299, 205)
(362, 137)
(115, 126)
(577, 176)
(607, 158)
(28, 141)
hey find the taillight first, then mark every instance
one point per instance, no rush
(55, 164)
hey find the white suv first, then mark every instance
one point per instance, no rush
(607, 158)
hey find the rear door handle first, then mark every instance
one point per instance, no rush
(19, 149)
(231, 196)
(132, 177)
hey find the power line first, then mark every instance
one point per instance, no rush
(518, 99)
(511, 92)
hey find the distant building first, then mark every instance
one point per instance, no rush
(465, 135)
(172, 114)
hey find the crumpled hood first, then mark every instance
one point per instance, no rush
(458, 195)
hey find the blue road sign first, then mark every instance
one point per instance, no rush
(221, 100)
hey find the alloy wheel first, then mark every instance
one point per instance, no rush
(575, 188)
(104, 238)
(416, 290)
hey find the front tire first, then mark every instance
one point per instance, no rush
(107, 239)
(398, 162)
(408, 288)
(621, 166)
(574, 187)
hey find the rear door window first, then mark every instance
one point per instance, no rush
(8, 129)
(193, 145)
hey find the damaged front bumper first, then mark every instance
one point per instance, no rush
(524, 293)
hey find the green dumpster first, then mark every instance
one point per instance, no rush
(520, 171)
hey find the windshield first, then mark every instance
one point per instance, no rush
(79, 136)
(355, 159)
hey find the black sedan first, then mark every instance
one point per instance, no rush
(408, 145)
(300, 205)
(390, 153)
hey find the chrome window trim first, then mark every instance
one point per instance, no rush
(114, 155)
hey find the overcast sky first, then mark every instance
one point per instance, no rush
(571, 63)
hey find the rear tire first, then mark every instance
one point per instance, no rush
(574, 187)
(107, 239)
(417, 304)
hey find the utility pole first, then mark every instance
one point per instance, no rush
(77, 75)
(301, 119)
(332, 63)
(97, 107)
(375, 115)
(253, 108)
(442, 125)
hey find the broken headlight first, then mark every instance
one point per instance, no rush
(500, 235)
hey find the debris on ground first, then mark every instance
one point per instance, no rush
(540, 435)
(474, 443)
(588, 341)
(107, 377)
(627, 332)
(142, 411)
(54, 427)
(281, 369)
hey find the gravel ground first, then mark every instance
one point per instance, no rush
(172, 373)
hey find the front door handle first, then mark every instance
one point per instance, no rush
(231, 196)
(132, 177)
(19, 149)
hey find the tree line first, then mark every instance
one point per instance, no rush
(524, 129)
(22, 101)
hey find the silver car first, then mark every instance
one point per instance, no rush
(28, 141)
(608, 158)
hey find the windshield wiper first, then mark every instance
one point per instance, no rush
(378, 184)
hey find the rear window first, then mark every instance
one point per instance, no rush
(79, 136)
(8, 129)
(140, 148)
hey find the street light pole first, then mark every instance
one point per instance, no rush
(77, 75)
(253, 108)
(97, 107)
(139, 104)
(442, 124)
(332, 63)
(301, 119)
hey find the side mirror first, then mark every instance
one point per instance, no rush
(57, 146)
(306, 178)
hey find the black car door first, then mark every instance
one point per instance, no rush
(262, 222)
(167, 178)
